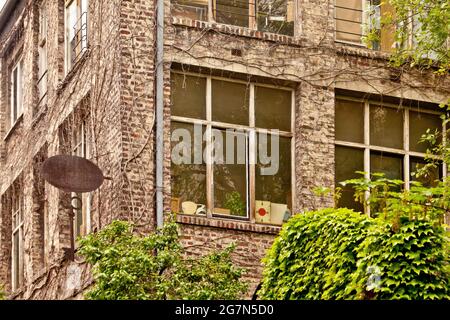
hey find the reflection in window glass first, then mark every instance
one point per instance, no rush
(349, 121)
(273, 108)
(276, 16)
(389, 164)
(419, 122)
(348, 161)
(274, 188)
(188, 96)
(386, 127)
(234, 12)
(230, 102)
(188, 180)
(431, 176)
(191, 9)
(230, 177)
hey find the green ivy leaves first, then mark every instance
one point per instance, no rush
(332, 254)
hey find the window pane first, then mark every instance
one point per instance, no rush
(188, 175)
(418, 125)
(348, 161)
(273, 108)
(386, 127)
(389, 164)
(230, 174)
(430, 179)
(188, 96)
(191, 9)
(349, 20)
(234, 12)
(349, 121)
(273, 190)
(276, 16)
(16, 260)
(230, 102)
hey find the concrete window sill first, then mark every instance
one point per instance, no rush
(13, 127)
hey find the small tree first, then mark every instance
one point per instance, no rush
(127, 266)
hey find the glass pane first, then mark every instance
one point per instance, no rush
(273, 108)
(230, 173)
(348, 14)
(188, 170)
(230, 102)
(386, 127)
(418, 125)
(348, 161)
(273, 189)
(276, 16)
(349, 121)
(234, 12)
(191, 9)
(430, 178)
(188, 96)
(389, 164)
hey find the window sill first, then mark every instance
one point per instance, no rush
(354, 49)
(73, 71)
(13, 127)
(39, 115)
(228, 224)
(238, 31)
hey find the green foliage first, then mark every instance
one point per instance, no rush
(234, 202)
(431, 32)
(412, 261)
(314, 256)
(340, 254)
(127, 266)
(2, 294)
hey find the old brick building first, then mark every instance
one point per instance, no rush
(78, 77)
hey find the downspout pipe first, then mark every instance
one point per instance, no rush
(159, 112)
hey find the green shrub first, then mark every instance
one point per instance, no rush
(132, 267)
(340, 254)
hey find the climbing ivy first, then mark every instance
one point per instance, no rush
(129, 266)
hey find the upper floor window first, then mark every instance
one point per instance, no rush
(76, 30)
(376, 137)
(17, 237)
(16, 92)
(276, 16)
(231, 149)
(42, 56)
(355, 18)
(80, 201)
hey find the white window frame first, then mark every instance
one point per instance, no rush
(17, 271)
(80, 148)
(405, 152)
(81, 27)
(250, 131)
(16, 97)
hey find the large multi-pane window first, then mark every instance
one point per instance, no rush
(16, 91)
(76, 30)
(375, 137)
(17, 237)
(42, 56)
(276, 16)
(355, 18)
(231, 148)
(80, 201)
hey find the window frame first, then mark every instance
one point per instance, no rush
(80, 148)
(17, 271)
(80, 23)
(17, 110)
(250, 132)
(42, 84)
(405, 152)
(252, 16)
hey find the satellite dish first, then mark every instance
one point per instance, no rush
(72, 173)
